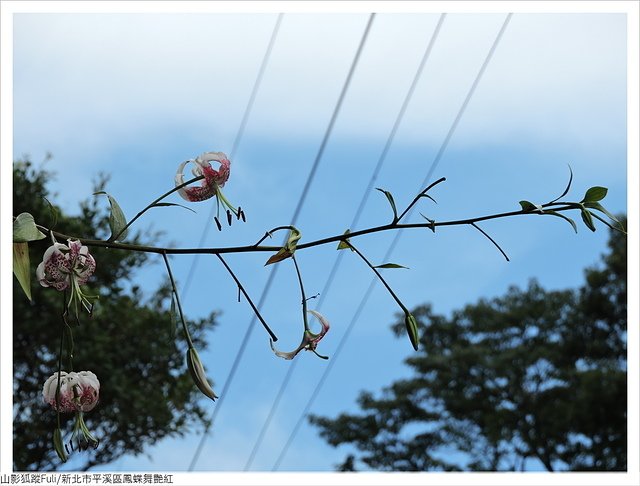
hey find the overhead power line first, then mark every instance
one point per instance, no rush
(296, 213)
(236, 142)
(354, 223)
(367, 294)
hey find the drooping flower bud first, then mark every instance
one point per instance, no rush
(198, 375)
(412, 330)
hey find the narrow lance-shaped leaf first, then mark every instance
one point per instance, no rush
(598, 207)
(173, 318)
(167, 204)
(21, 268)
(389, 265)
(58, 445)
(25, 229)
(566, 190)
(569, 220)
(432, 222)
(117, 219)
(391, 202)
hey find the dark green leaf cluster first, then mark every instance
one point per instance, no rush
(532, 379)
(146, 390)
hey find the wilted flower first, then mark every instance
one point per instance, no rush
(309, 340)
(212, 183)
(67, 267)
(79, 391)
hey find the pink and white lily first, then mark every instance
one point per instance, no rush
(211, 185)
(73, 392)
(67, 267)
(79, 391)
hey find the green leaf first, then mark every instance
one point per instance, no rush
(598, 207)
(117, 219)
(165, 204)
(620, 228)
(25, 229)
(428, 197)
(432, 222)
(58, 445)
(588, 220)
(390, 265)
(412, 330)
(344, 244)
(173, 318)
(292, 241)
(529, 206)
(566, 190)
(288, 249)
(198, 375)
(595, 194)
(54, 213)
(569, 220)
(282, 254)
(21, 268)
(391, 202)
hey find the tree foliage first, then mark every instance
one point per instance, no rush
(129, 343)
(532, 379)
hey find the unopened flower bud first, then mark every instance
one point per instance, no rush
(412, 330)
(198, 375)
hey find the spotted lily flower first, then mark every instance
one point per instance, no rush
(73, 392)
(212, 183)
(309, 340)
(79, 391)
(67, 267)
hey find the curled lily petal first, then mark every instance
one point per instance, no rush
(79, 391)
(309, 340)
(213, 179)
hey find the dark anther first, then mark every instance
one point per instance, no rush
(229, 217)
(244, 219)
(239, 212)
(66, 446)
(215, 218)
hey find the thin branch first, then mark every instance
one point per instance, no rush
(375, 270)
(304, 298)
(175, 292)
(422, 194)
(302, 246)
(241, 289)
(156, 201)
(491, 240)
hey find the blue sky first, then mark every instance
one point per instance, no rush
(136, 94)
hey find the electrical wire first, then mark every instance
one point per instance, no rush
(296, 213)
(354, 223)
(234, 146)
(367, 294)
